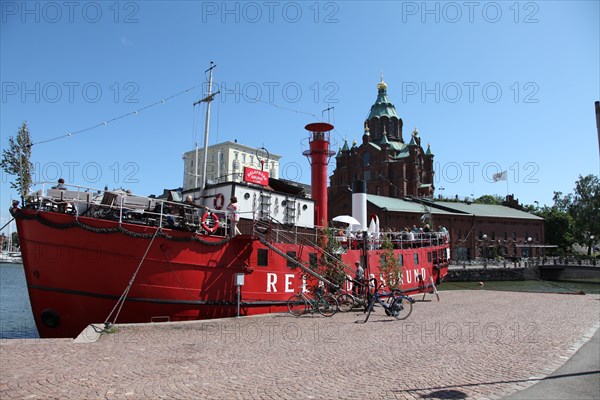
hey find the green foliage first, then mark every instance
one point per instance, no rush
(330, 265)
(489, 199)
(558, 228)
(16, 160)
(15, 239)
(389, 267)
(583, 210)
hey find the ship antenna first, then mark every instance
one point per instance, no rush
(209, 97)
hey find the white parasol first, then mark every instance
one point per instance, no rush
(346, 219)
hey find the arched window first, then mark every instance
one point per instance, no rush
(367, 159)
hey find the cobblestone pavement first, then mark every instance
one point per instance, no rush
(471, 344)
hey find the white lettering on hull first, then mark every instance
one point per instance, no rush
(412, 275)
(271, 281)
(288, 283)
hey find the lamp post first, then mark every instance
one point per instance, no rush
(592, 237)
(484, 237)
(529, 248)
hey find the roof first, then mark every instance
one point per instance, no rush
(449, 208)
(487, 210)
(236, 146)
(376, 146)
(400, 205)
(382, 107)
(384, 140)
(399, 146)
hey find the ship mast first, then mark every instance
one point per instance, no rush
(209, 97)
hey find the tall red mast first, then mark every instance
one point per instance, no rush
(318, 157)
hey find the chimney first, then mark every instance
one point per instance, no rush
(359, 203)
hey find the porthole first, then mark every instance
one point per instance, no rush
(50, 318)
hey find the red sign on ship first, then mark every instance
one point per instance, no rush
(257, 176)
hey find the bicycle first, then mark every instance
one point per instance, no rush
(359, 297)
(398, 306)
(324, 304)
(348, 301)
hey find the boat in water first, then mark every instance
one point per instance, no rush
(10, 254)
(10, 258)
(99, 256)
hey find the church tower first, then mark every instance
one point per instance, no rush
(388, 166)
(383, 117)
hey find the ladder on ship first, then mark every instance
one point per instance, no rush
(290, 210)
(264, 210)
(297, 263)
(263, 235)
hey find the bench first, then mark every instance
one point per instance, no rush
(63, 198)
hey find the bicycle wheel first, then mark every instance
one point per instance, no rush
(345, 302)
(327, 305)
(297, 305)
(401, 308)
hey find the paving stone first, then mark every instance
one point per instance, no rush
(471, 344)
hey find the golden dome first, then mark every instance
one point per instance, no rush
(381, 85)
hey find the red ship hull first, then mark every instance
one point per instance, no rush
(78, 268)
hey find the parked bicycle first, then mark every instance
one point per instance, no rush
(358, 297)
(300, 304)
(347, 301)
(394, 304)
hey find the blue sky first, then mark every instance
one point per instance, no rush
(492, 86)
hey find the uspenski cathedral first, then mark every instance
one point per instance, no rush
(389, 165)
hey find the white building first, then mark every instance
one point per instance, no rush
(226, 162)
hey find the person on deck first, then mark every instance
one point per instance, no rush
(232, 211)
(60, 185)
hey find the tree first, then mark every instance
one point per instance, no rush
(389, 267)
(15, 239)
(331, 266)
(16, 160)
(558, 227)
(584, 208)
(489, 199)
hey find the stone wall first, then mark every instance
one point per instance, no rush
(569, 273)
(492, 274)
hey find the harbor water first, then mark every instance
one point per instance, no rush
(16, 319)
(567, 287)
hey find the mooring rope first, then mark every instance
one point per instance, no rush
(123, 297)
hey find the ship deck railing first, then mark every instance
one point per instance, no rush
(399, 240)
(124, 207)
